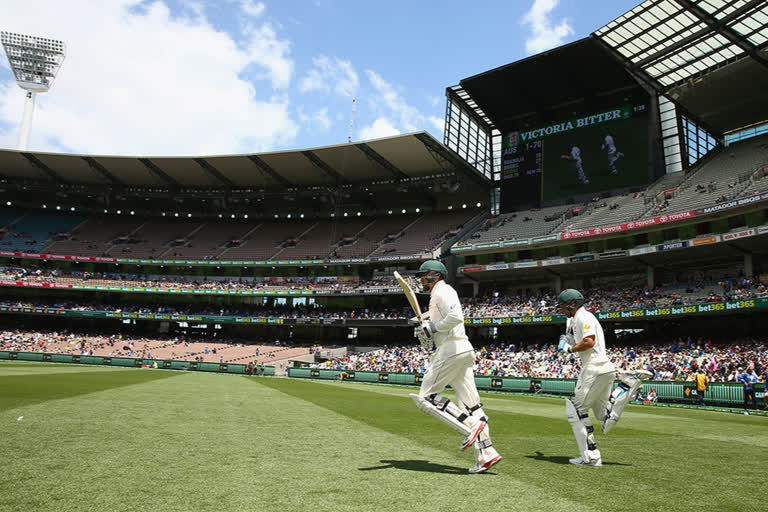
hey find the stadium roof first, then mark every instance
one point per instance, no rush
(402, 158)
(527, 89)
(709, 55)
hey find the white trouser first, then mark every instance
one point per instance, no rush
(579, 170)
(454, 371)
(612, 157)
(593, 391)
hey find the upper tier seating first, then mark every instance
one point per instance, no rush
(519, 225)
(33, 232)
(211, 239)
(267, 240)
(724, 177)
(374, 235)
(426, 233)
(152, 239)
(94, 236)
(319, 242)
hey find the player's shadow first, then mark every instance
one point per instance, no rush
(559, 459)
(420, 465)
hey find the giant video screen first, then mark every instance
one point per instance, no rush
(592, 153)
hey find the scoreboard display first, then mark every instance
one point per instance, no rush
(521, 169)
(595, 152)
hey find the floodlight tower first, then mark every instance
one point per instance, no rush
(35, 62)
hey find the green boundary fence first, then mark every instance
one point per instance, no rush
(166, 364)
(722, 393)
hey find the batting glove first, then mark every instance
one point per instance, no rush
(564, 345)
(428, 328)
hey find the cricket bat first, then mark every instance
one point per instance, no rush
(410, 295)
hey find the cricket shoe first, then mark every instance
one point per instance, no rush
(611, 418)
(482, 465)
(579, 461)
(473, 434)
(614, 173)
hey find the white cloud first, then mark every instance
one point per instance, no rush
(381, 127)
(139, 80)
(544, 33)
(407, 117)
(331, 74)
(272, 54)
(320, 117)
(252, 8)
(438, 123)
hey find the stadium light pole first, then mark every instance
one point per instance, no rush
(35, 62)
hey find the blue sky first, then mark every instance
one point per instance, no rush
(185, 77)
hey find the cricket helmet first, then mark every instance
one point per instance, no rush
(570, 298)
(432, 266)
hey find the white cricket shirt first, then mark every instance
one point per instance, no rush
(445, 312)
(595, 359)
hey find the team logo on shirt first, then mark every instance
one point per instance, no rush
(586, 327)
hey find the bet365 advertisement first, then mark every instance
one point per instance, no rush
(600, 151)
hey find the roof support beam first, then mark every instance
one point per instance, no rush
(154, 169)
(450, 161)
(210, 169)
(386, 164)
(721, 27)
(40, 165)
(269, 171)
(96, 166)
(327, 169)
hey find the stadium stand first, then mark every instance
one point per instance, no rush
(154, 237)
(33, 231)
(721, 178)
(611, 210)
(176, 348)
(211, 239)
(320, 240)
(675, 359)
(426, 233)
(266, 239)
(523, 224)
(377, 233)
(95, 236)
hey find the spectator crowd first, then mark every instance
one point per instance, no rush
(678, 360)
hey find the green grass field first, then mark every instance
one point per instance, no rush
(94, 438)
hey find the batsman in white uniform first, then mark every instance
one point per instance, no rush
(451, 364)
(575, 158)
(584, 335)
(609, 146)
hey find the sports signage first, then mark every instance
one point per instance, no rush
(215, 263)
(672, 245)
(732, 204)
(705, 240)
(614, 114)
(740, 234)
(593, 152)
(626, 226)
(196, 291)
(713, 307)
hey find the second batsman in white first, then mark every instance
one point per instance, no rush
(451, 364)
(584, 336)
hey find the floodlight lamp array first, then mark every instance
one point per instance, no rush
(35, 61)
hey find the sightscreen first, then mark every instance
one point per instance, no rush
(592, 153)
